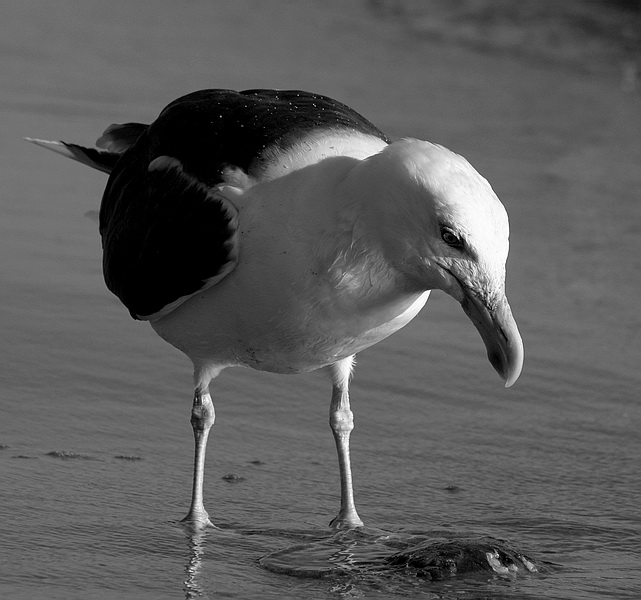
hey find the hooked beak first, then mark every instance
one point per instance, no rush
(499, 333)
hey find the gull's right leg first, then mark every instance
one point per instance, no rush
(341, 420)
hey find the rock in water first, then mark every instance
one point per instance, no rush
(438, 560)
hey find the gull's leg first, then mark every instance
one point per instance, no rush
(341, 420)
(202, 418)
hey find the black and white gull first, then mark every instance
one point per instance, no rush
(282, 231)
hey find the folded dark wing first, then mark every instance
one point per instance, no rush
(168, 237)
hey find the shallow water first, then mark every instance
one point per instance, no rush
(96, 444)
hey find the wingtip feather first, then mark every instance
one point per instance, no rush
(59, 147)
(96, 159)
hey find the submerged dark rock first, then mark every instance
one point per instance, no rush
(441, 559)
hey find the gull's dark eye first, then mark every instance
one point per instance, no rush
(450, 238)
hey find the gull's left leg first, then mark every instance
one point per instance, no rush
(203, 416)
(341, 420)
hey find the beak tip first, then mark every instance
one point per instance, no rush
(514, 370)
(509, 362)
(510, 382)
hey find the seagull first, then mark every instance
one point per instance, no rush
(282, 231)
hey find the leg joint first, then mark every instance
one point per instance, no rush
(341, 420)
(203, 414)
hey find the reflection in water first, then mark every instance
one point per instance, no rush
(344, 557)
(196, 542)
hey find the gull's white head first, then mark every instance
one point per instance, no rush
(444, 228)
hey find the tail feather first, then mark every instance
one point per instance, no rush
(120, 137)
